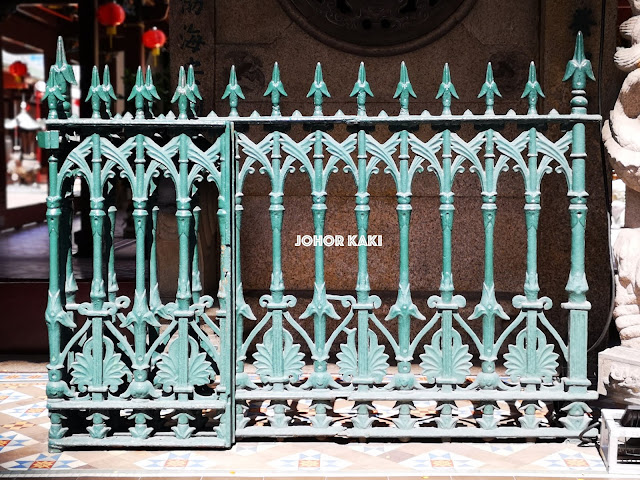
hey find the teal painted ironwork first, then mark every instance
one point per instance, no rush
(187, 371)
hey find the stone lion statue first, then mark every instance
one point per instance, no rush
(621, 134)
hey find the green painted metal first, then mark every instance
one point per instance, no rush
(143, 372)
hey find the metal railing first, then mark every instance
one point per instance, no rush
(140, 372)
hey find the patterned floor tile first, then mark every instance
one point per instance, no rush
(44, 461)
(20, 377)
(248, 450)
(14, 440)
(10, 396)
(572, 460)
(374, 450)
(176, 461)
(441, 459)
(18, 425)
(307, 461)
(28, 412)
(504, 449)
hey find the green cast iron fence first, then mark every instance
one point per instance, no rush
(140, 372)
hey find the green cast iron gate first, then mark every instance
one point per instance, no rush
(140, 372)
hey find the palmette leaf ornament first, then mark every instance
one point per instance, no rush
(113, 369)
(546, 359)
(376, 358)
(292, 358)
(348, 356)
(433, 362)
(200, 370)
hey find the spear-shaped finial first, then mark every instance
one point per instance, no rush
(318, 89)
(275, 89)
(52, 94)
(63, 76)
(404, 90)
(446, 90)
(579, 69)
(532, 90)
(107, 90)
(361, 89)
(489, 90)
(62, 68)
(183, 95)
(139, 94)
(151, 90)
(193, 86)
(233, 91)
(95, 93)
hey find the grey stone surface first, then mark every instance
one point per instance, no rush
(619, 374)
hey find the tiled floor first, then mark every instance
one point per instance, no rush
(23, 454)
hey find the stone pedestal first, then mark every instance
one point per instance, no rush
(619, 367)
(619, 374)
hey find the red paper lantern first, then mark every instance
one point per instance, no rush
(111, 15)
(154, 39)
(19, 70)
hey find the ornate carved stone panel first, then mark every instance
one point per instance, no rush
(377, 27)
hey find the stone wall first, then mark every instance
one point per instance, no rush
(254, 34)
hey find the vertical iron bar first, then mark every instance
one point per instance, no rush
(97, 294)
(579, 69)
(276, 210)
(183, 294)
(446, 283)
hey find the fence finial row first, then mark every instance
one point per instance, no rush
(187, 93)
